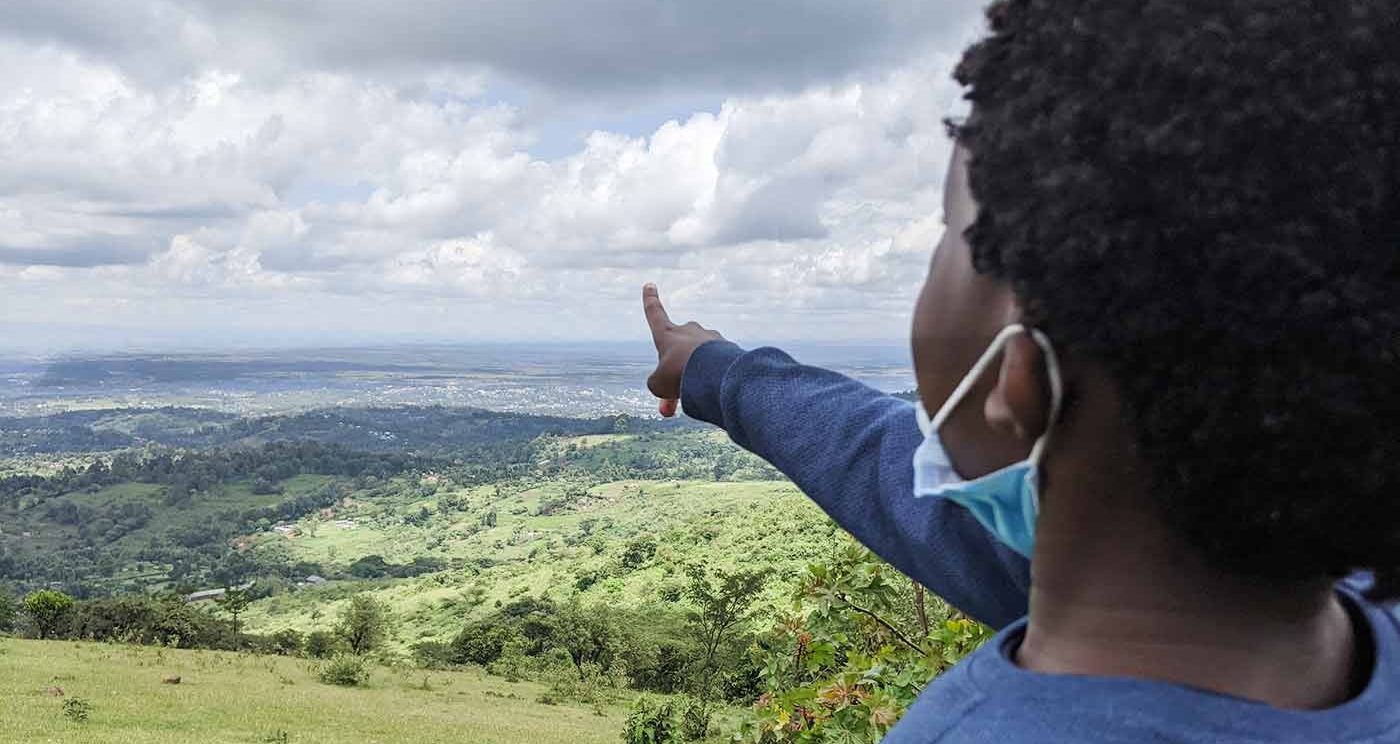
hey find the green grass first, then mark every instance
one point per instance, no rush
(748, 524)
(227, 697)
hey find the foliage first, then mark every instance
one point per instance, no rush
(165, 620)
(77, 709)
(8, 612)
(344, 670)
(321, 644)
(651, 721)
(49, 611)
(234, 602)
(482, 642)
(364, 624)
(285, 642)
(859, 646)
(722, 604)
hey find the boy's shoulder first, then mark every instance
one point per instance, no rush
(987, 699)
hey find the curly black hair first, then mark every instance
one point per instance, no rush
(1204, 196)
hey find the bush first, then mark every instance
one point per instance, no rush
(165, 620)
(282, 643)
(651, 722)
(77, 709)
(49, 611)
(364, 623)
(433, 655)
(695, 719)
(321, 644)
(481, 643)
(344, 670)
(8, 611)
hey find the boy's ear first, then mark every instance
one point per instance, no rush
(1019, 404)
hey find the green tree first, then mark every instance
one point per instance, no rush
(588, 634)
(49, 610)
(8, 611)
(234, 602)
(862, 643)
(321, 644)
(364, 624)
(721, 606)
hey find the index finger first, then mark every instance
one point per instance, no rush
(655, 311)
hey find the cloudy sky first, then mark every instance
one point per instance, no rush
(346, 171)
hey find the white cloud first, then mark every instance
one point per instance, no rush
(302, 198)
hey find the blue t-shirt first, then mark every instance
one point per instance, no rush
(850, 449)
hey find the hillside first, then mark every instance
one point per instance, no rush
(624, 543)
(385, 429)
(585, 558)
(238, 698)
(614, 517)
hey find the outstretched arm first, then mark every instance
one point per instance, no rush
(849, 448)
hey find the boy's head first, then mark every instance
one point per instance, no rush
(1199, 199)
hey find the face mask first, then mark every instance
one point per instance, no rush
(1006, 502)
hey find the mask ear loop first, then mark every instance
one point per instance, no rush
(975, 374)
(1052, 370)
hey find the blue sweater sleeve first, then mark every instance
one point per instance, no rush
(850, 449)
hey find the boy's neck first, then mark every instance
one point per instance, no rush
(1131, 604)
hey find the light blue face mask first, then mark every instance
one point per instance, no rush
(1006, 502)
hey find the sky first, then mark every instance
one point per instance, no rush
(205, 174)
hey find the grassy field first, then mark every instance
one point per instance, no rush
(754, 524)
(227, 697)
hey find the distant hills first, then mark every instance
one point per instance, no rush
(383, 429)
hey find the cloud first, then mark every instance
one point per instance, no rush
(154, 181)
(563, 46)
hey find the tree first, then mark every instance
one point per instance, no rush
(860, 645)
(364, 623)
(482, 642)
(234, 602)
(589, 635)
(721, 606)
(7, 612)
(49, 610)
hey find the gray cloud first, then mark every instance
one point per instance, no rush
(568, 47)
(88, 252)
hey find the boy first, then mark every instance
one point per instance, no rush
(1161, 336)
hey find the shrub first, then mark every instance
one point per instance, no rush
(344, 670)
(695, 719)
(321, 644)
(49, 610)
(651, 722)
(283, 643)
(364, 623)
(7, 612)
(481, 643)
(433, 655)
(77, 709)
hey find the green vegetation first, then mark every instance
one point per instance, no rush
(49, 611)
(238, 698)
(587, 567)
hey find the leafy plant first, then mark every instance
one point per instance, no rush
(721, 606)
(8, 612)
(234, 602)
(77, 709)
(49, 609)
(364, 624)
(651, 721)
(345, 670)
(858, 647)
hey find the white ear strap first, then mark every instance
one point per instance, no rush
(993, 352)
